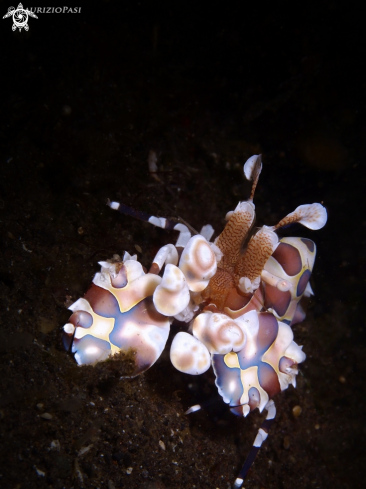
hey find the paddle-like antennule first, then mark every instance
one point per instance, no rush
(313, 216)
(252, 170)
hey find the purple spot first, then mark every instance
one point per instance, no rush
(268, 330)
(81, 319)
(289, 258)
(310, 244)
(299, 314)
(301, 286)
(268, 379)
(277, 300)
(284, 364)
(120, 280)
(254, 398)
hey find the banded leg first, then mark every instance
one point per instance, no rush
(160, 222)
(259, 439)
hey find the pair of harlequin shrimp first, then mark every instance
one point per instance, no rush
(240, 294)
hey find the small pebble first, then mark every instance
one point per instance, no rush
(84, 450)
(152, 161)
(138, 248)
(80, 230)
(46, 416)
(55, 445)
(296, 411)
(162, 445)
(342, 379)
(40, 472)
(317, 426)
(129, 470)
(66, 110)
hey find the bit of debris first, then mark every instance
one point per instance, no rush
(152, 161)
(342, 379)
(153, 167)
(84, 450)
(26, 249)
(286, 442)
(78, 472)
(39, 472)
(296, 411)
(129, 470)
(46, 416)
(55, 445)
(46, 325)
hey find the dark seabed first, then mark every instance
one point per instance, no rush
(85, 97)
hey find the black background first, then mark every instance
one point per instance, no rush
(84, 98)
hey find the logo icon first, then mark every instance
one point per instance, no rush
(20, 17)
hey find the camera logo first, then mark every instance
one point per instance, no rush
(20, 17)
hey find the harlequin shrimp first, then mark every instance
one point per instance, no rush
(239, 294)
